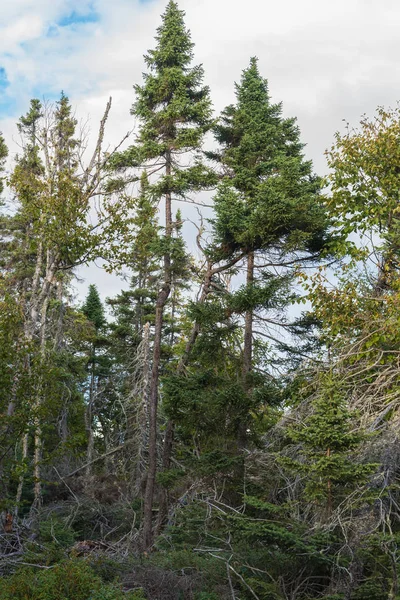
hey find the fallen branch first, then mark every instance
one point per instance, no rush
(113, 451)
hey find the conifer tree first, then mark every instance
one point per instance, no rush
(328, 439)
(134, 307)
(267, 206)
(174, 111)
(93, 309)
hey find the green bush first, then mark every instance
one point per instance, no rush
(68, 580)
(110, 592)
(56, 531)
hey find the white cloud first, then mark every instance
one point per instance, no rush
(325, 60)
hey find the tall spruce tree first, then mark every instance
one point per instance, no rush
(174, 111)
(267, 206)
(93, 309)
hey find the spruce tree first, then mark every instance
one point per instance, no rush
(267, 205)
(328, 439)
(174, 111)
(93, 308)
(94, 311)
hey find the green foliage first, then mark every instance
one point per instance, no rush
(269, 492)
(69, 580)
(170, 477)
(93, 308)
(271, 196)
(328, 441)
(54, 530)
(172, 92)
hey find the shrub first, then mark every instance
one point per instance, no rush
(68, 580)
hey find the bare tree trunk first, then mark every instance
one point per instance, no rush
(43, 302)
(25, 441)
(58, 338)
(248, 325)
(170, 429)
(143, 415)
(153, 395)
(247, 349)
(89, 417)
(37, 456)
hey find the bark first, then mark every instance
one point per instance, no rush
(143, 417)
(37, 456)
(25, 441)
(247, 350)
(89, 416)
(248, 325)
(58, 338)
(170, 429)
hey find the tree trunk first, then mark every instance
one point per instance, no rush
(89, 417)
(154, 380)
(43, 302)
(247, 348)
(25, 441)
(170, 430)
(37, 456)
(248, 325)
(143, 416)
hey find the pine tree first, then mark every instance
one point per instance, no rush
(174, 111)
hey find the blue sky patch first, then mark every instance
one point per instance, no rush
(7, 103)
(47, 95)
(53, 31)
(75, 18)
(4, 83)
(8, 106)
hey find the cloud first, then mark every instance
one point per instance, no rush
(325, 60)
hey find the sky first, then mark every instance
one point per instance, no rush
(329, 62)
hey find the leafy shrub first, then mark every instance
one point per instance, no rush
(68, 580)
(55, 530)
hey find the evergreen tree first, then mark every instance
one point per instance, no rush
(144, 261)
(328, 438)
(94, 311)
(266, 207)
(174, 111)
(93, 308)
